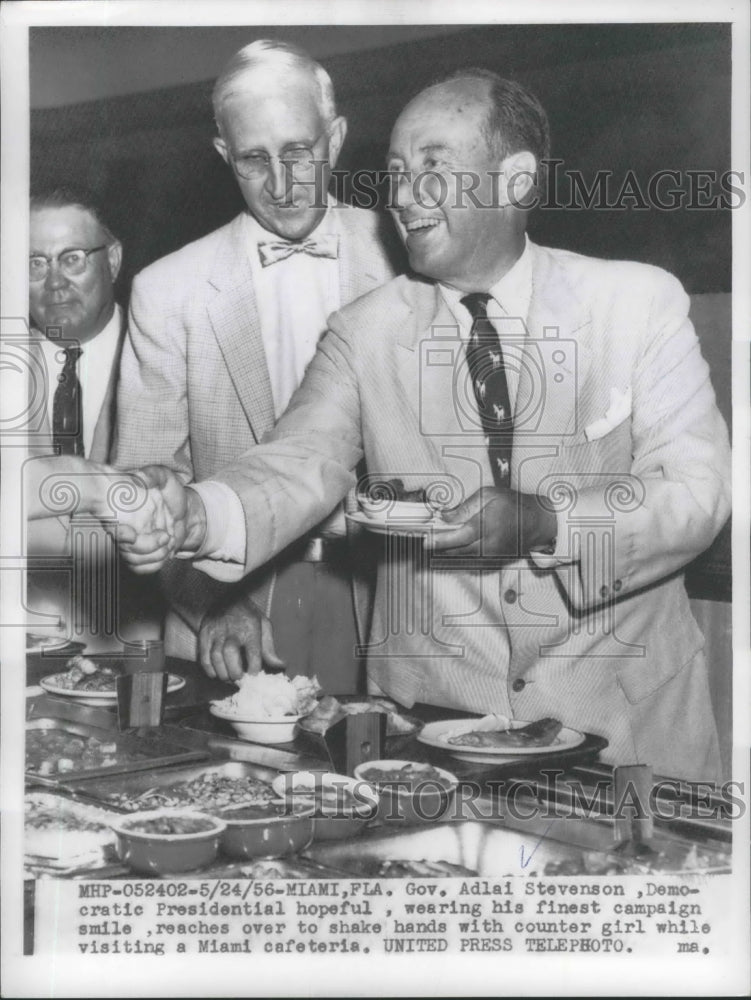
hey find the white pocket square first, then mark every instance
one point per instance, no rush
(618, 411)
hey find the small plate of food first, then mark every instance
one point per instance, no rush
(387, 507)
(267, 707)
(92, 683)
(492, 737)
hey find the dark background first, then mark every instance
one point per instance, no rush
(620, 97)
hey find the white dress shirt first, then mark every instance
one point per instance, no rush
(94, 370)
(294, 298)
(508, 309)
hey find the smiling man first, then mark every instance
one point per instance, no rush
(220, 335)
(560, 407)
(74, 260)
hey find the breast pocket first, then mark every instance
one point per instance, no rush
(611, 452)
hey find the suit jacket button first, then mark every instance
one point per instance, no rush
(518, 685)
(604, 591)
(617, 586)
(510, 596)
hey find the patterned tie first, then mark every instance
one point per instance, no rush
(316, 246)
(67, 410)
(488, 373)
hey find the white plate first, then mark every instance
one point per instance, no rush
(393, 526)
(49, 684)
(270, 729)
(435, 734)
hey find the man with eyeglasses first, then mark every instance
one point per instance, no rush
(74, 261)
(219, 337)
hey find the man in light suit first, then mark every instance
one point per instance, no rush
(76, 338)
(555, 586)
(219, 336)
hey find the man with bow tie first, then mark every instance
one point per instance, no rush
(219, 336)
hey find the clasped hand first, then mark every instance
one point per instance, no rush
(170, 521)
(495, 522)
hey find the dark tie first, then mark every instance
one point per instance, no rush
(488, 374)
(67, 411)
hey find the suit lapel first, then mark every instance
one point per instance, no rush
(358, 271)
(103, 442)
(554, 363)
(234, 319)
(432, 373)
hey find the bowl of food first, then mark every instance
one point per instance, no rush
(267, 830)
(343, 806)
(164, 841)
(266, 707)
(409, 792)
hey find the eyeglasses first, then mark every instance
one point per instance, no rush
(256, 163)
(72, 262)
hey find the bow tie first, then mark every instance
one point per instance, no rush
(316, 246)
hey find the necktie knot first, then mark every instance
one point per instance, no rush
(477, 304)
(273, 251)
(72, 354)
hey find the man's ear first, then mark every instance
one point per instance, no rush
(519, 171)
(221, 147)
(337, 135)
(115, 257)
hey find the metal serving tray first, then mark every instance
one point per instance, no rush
(153, 749)
(102, 790)
(491, 850)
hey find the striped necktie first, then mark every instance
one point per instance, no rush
(488, 374)
(67, 408)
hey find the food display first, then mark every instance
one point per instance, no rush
(536, 734)
(54, 752)
(668, 858)
(59, 751)
(83, 674)
(210, 792)
(51, 752)
(492, 738)
(270, 696)
(270, 830)
(409, 775)
(160, 845)
(58, 832)
(93, 682)
(179, 825)
(330, 710)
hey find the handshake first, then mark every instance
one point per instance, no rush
(150, 511)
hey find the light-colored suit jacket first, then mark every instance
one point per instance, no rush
(49, 536)
(194, 385)
(616, 423)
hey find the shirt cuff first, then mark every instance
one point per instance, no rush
(225, 537)
(561, 552)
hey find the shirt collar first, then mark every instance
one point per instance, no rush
(328, 225)
(512, 294)
(98, 347)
